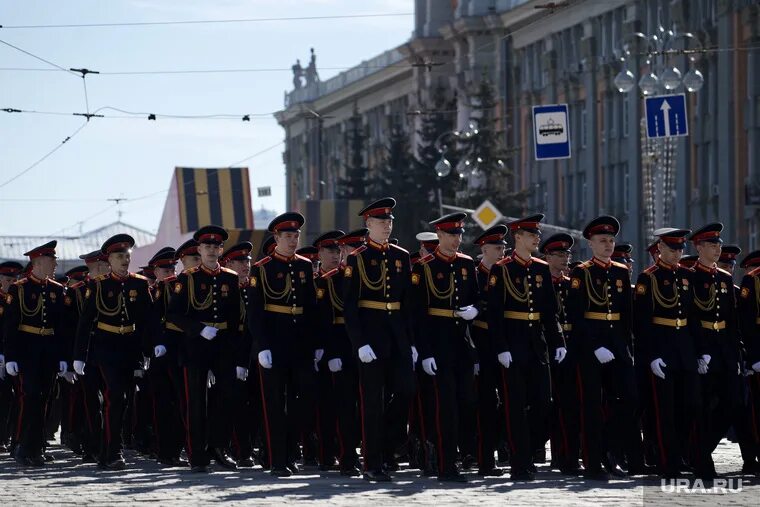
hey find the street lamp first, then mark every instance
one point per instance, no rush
(467, 165)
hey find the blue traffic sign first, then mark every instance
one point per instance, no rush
(666, 116)
(551, 132)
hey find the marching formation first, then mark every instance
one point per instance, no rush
(354, 355)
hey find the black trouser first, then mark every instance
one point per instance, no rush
(721, 388)
(565, 425)
(117, 381)
(167, 384)
(525, 390)
(6, 404)
(288, 401)
(452, 392)
(487, 412)
(325, 416)
(91, 429)
(610, 389)
(676, 407)
(346, 397)
(753, 415)
(386, 387)
(247, 416)
(35, 380)
(647, 412)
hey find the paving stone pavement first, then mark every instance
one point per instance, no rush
(68, 482)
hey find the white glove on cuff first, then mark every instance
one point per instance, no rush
(79, 367)
(657, 365)
(604, 355)
(265, 359)
(241, 373)
(366, 354)
(159, 350)
(335, 365)
(12, 368)
(756, 366)
(505, 358)
(559, 354)
(429, 366)
(209, 332)
(468, 312)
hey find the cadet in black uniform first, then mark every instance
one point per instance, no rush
(712, 319)
(661, 305)
(622, 254)
(748, 308)
(281, 317)
(522, 320)
(377, 279)
(492, 245)
(247, 409)
(34, 347)
(599, 309)
(444, 294)
(9, 273)
(206, 307)
(565, 427)
(164, 373)
(117, 310)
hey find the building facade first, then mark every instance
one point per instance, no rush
(570, 54)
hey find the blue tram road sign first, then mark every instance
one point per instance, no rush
(551, 132)
(666, 116)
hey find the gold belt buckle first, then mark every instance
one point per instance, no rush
(608, 316)
(715, 326)
(388, 306)
(530, 316)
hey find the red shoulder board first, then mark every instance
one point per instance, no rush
(754, 272)
(399, 248)
(460, 255)
(263, 261)
(54, 283)
(539, 261)
(229, 271)
(586, 264)
(76, 285)
(358, 250)
(619, 265)
(170, 279)
(724, 272)
(651, 269)
(424, 260)
(505, 260)
(190, 271)
(139, 277)
(301, 258)
(330, 273)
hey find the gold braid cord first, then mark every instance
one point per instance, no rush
(371, 285)
(103, 308)
(709, 304)
(199, 306)
(659, 298)
(511, 288)
(269, 293)
(335, 300)
(25, 311)
(593, 295)
(433, 291)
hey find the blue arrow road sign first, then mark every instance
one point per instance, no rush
(551, 132)
(666, 116)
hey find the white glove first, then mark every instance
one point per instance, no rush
(210, 379)
(241, 373)
(415, 356)
(2, 367)
(429, 366)
(12, 368)
(159, 350)
(476, 369)
(701, 366)
(505, 358)
(366, 354)
(756, 366)
(335, 365)
(209, 332)
(62, 366)
(706, 358)
(604, 355)
(467, 313)
(79, 367)
(657, 365)
(319, 354)
(265, 359)
(559, 354)
(146, 363)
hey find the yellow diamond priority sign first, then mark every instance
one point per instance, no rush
(487, 215)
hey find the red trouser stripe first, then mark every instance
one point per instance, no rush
(266, 416)
(364, 434)
(660, 440)
(506, 410)
(187, 416)
(586, 458)
(341, 444)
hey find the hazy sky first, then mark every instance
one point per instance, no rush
(113, 158)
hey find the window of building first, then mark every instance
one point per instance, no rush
(583, 125)
(626, 188)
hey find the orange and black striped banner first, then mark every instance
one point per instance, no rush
(214, 196)
(328, 215)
